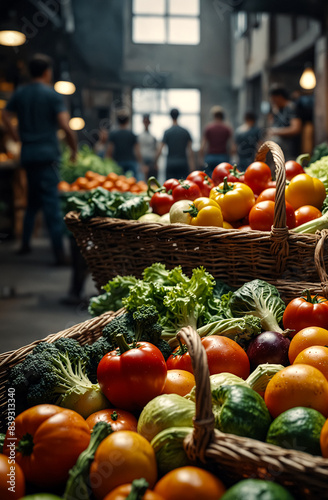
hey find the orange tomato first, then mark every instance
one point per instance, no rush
(90, 175)
(122, 186)
(118, 419)
(120, 458)
(108, 185)
(81, 182)
(123, 492)
(42, 433)
(306, 213)
(112, 177)
(190, 483)
(142, 185)
(316, 356)
(64, 186)
(130, 180)
(307, 337)
(74, 187)
(92, 184)
(297, 385)
(135, 189)
(324, 440)
(12, 481)
(178, 382)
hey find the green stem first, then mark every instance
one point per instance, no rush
(193, 210)
(182, 349)
(235, 172)
(26, 445)
(303, 157)
(150, 190)
(314, 299)
(226, 188)
(114, 416)
(122, 343)
(139, 488)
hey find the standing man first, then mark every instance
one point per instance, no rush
(216, 142)
(148, 149)
(123, 145)
(286, 123)
(180, 157)
(248, 138)
(40, 112)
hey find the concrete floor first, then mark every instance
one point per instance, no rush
(30, 293)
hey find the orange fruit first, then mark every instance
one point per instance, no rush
(90, 175)
(92, 184)
(297, 385)
(64, 186)
(108, 185)
(316, 356)
(81, 182)
(112, 177)
(324, 440)
(178, 382)
(307, 337)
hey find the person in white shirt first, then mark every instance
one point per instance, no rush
(148, 148)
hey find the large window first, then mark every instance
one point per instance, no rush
(159, 102)
(166, 21)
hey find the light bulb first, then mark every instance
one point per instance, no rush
(77, 123)
(66, 88)
(308, 79)
(11, 38)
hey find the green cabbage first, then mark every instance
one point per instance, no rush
(260, 299)
(169, 450)
(166, 410)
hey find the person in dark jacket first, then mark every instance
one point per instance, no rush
(41, 111)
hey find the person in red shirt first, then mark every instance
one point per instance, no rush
(216, 142)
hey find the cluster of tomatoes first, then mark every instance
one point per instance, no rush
(246, 201)
(111, 182)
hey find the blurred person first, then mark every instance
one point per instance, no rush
(100, 146)
(123, 145)
(286, 124)
(148, 148)
(41, 111)
(180, 157)
(217, 144)
(248, 139)
(304, 106)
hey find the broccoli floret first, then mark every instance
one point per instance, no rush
(164, 347)
(95, 353)
(120, 324)
(146, 325)
(55, 373)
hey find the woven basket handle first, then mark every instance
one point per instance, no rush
(279, 230)
(319, 259)
(197, 442)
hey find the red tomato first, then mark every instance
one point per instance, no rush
(257, 176)
(187, 190)
(293, 168)
(261, 215)
(170, 184)
(131, 379)
(306, 213)
(180, 359)
(267, 194)
(223, 355)
(204, 182)
(118, 419)
(12, 481)
(306, 311)
(49, 440)
(223, 170)
(161, 203)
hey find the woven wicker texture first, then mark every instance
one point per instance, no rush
(115, 246)
(226, 454)
(239, 457)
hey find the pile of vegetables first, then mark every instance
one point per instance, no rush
(126, 402)
(246, 201)
(111, 182)
(103, 203)
(86, 160)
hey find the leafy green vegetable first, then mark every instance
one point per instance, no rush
(86, 160)
(78, 482)
(164, 411)
(260, 299)
(319, 169)
(238, 329)
(169, 449)
(103, 203)
(319, 151)
(115, 290)
(56, 373)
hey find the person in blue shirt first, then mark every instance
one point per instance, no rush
(40, 112)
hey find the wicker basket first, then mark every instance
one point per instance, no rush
(282, 257)
(229, 456)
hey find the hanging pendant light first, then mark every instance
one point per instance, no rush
(76, 122)
(64, 85)
(308, 80)
(12, 38)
